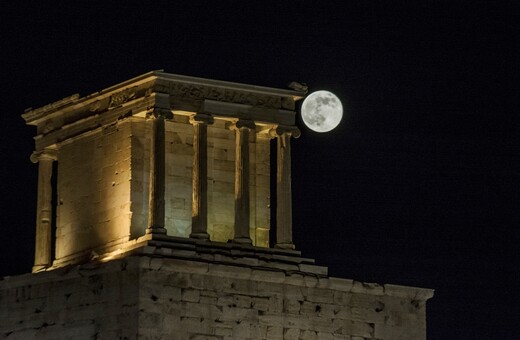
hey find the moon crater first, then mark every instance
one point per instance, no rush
(322, 111)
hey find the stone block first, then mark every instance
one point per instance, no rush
(343, 312)
(227, 300)
(207, 300)
(268, 276)
(230, 271)
(178, 279)
(319, 323)
(293, 291)
(151, 320)
(242, 301)
(367, 288)
(174, 308)
(275, 320)
(405, 319)
(291, 334)
(367, 315)
(274, 332)
(319, 295)
(275, 304)
(190, 295)
(259, 303)
(196, 325)
(258, 331)
(312, 269)
(325, 336)
(224, 331)
(236, 314)
(309, 335)
(340, 284)
(418, 294)
(310, 281)
(171, 293)
(361, 328)
(200, 310)
(366, 301)
(291, 305)
(242, 330)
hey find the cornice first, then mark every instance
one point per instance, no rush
(154, 90)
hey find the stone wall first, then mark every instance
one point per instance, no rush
(103, 186)
(93, 208)
(161, 298)
(79, 303)
(221, 180)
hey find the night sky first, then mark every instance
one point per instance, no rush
(419, 184)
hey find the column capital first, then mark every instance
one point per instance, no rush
(280, 130)
(157, 112)
(201, 118)
(243, 123)
(46, 154)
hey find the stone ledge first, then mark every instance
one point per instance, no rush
(233, 254)
(264, 274)
(420, 294)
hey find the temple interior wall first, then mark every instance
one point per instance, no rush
(221, 180)
(93, 190)
(103, 185)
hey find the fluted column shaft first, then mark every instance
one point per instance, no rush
(157, 173)
(199, 208)
(43, 251)
(242, 213)
(283, 186)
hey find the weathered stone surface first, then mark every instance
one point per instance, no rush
(142, 297)
(134, 183)
(110, 167)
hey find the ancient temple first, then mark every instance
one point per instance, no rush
(153, 221)
(161, 158)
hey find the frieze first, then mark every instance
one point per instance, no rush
(201, 92)
(95, 106)
(288, 103)
(121, 97)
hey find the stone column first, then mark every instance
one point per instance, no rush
(283, 185)
(43, 251)
(199, 207)
(157, 172)
(242, 213)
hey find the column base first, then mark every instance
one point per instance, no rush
(39, 268)
(242, 240)
(156, 230)
(200, 236)
(285, 246)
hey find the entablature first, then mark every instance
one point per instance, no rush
(182, 95)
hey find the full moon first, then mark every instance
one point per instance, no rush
(322, 111)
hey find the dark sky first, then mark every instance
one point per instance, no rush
(419, 185)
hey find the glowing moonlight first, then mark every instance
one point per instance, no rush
(322, 111)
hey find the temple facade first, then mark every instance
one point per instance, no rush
(153, 222)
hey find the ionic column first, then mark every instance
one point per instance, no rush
(43, 251)
(283, 185)
(199, 207)
(157, 173)
(242, 129)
